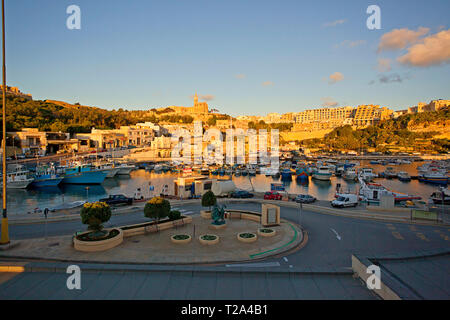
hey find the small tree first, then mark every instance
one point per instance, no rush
(95, 214)
(174, 215)
(157, 208)
(209, 199)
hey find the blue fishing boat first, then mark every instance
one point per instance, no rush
(302, 174)
(286, 174)
(84, 174)
(46, 177)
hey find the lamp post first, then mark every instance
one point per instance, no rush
(5, 233)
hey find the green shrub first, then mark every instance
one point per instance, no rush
(95, 214)
(157, 208)
(174, 215)
(209, 199)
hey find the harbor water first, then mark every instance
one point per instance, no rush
(31, 200)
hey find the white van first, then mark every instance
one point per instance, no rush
(345, 200)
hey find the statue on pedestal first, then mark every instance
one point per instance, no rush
(218, 215)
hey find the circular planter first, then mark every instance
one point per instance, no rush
(181, 238)
(247, 237)
(208, 239)
(98, 245)
(205, 214)
(266, 232)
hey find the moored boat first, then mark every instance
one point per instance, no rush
(322, 173)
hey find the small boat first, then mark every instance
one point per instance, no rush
(244, 172)
(404, 176)
(350, 174)
(442, 196)
(204, 171)
(18, 177)
(367, 174)
(252, 172)
(125, 169)
(301, 174)
(46, 176)
(434, 177)
(221, 172)
(339, 171)
(389, 173)
(375, 162)
(372, 192)
(286, 174)
(237, 173)
(322, 173)
(215, 172)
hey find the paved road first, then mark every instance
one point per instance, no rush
(332, 241)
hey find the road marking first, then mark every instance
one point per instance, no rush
(421, 236)
(254, 265)
(397, 235)
(337, 235)
(285, 259)
(188, 212)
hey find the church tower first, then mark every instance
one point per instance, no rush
(195, 99)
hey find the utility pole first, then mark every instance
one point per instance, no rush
(5, 233)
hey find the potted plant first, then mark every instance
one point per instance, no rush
(208, 199)
(208, 239)
(247, 237)
(94, 215)
(181, 238)
(266, 232)
(157, 208)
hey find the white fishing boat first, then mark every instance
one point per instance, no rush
(404, 176)
(110, 169)
(18, 177)
(372, 192)
(367, 174)
(441, 197)
(125, 169)
(322, 173)
(350, 174)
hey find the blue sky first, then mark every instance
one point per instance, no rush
(250, 57)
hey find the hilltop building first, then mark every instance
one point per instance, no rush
(197, 108)
(14, 91)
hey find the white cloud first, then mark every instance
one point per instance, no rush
(398, 39)
(334, 23)
(335, 77)
(432, 50)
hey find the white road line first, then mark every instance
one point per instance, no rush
(188, 212)
(337, 235)
(254, 265)
(285, 259)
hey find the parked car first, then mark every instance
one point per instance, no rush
(345, 200)
(115, 199)
(272, 195)
(304, 198)
(241, 194)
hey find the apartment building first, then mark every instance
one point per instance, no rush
(35, 142)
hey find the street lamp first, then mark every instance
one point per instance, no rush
(5, 234)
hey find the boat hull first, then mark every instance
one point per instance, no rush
(112, 172)
(320, 176)
(89, 177)
(46, 182)
(20, 184)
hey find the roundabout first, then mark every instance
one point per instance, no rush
(193, 243)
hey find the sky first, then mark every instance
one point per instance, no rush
(243, 57)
